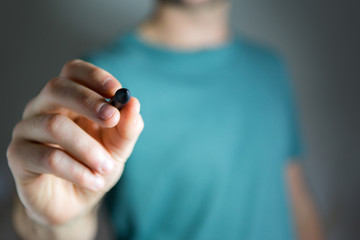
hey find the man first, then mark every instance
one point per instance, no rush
(212, 162)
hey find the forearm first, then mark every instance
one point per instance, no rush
(307, 218)
(308, 222)
(83, 227)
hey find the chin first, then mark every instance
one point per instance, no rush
(191, 2)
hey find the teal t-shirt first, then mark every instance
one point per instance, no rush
(220, 125)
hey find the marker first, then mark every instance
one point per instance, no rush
(121, 97)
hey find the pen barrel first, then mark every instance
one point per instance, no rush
(116, 103)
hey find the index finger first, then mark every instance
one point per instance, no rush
(91, 76)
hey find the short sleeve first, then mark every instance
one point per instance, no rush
(296, 149)
(296, 145)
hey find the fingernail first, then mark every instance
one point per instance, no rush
(98, 183)
(107, 165)
(106, 111)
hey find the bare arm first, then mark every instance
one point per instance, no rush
(307, 218)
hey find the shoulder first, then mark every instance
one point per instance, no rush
(266, 65)
(261, 55)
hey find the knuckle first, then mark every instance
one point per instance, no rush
(53, 85)
(53, 124)
(81, 177)
(14, 155)
(17, 130)
(56, 219)
(52, 159)
(92, 151)
(11, 153)
(71, 65)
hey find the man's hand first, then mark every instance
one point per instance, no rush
(71, 145)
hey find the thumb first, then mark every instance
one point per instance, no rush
(121, 139)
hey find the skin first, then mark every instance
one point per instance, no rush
(306, 217)
(71, 146)
(67, 151)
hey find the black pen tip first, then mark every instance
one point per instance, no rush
(123, 95)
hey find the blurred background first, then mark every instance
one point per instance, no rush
(319, 39)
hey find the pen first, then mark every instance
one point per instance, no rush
(121, 97)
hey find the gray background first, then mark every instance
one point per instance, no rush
(320, 40)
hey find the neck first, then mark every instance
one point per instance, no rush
(187, 28)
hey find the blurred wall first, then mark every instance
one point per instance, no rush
(320, 40)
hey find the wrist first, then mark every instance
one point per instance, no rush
(28, 226)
